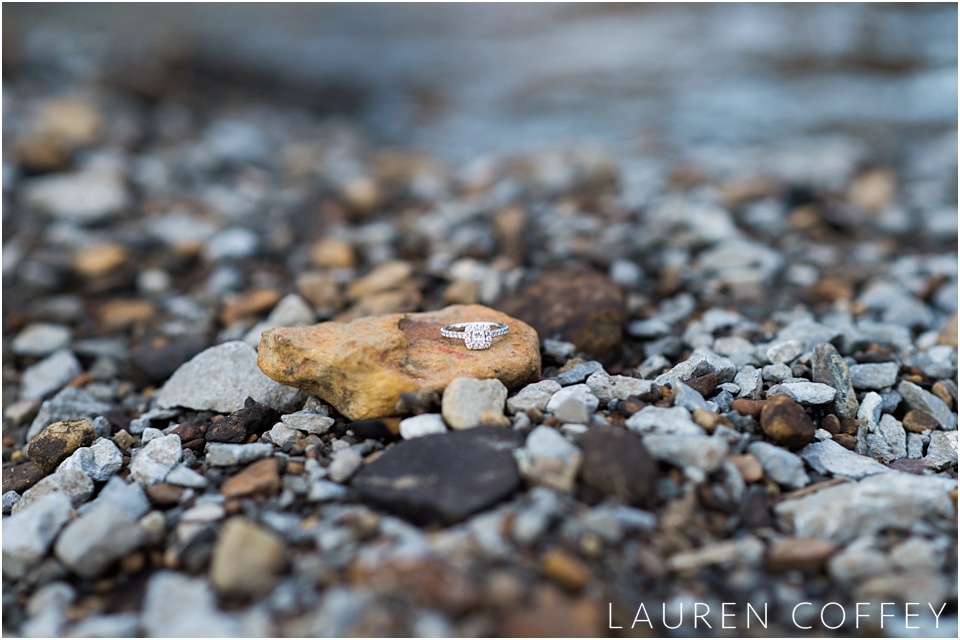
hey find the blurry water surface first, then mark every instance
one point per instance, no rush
(462, 79)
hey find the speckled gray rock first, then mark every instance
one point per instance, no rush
(69, 404)
(184, 476)
(690, 399)
(99, 461)
(784, 352)
(701, 452)
(805, 392)
(675, 420)
(549, 459)
(468, 402)
(72, 483)
(345, 463)
(178, 606)
(914, 446)
(942, 450)
(874, 376)
(28, 535)
(573, 404)
(50, 374)
(918, 398)
(853, 509)
(423, 425)
(41, 339)
(220, 379)
(870, 409)
(698, 364)
(781, 466)
(283, 435)
(607, 387)
(226, 455)
(533, 396)
(750, 381)
(831, 369)
(828, 457)
(152, 464)
(308, 421)
(578, 373)
(893, 437)
(10, 498)
(102, 535)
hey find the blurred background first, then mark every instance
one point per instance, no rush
(465, 79)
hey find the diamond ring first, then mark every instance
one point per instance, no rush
(476, 335)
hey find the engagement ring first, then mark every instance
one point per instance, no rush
(476, 335)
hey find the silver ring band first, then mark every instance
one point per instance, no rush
(476, 335)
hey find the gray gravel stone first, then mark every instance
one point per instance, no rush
(673, 420)
(648, 328)
(918, 398)
(914, 446)
(549, 459)
(781, 466)
(807, 333)
(698, 364)
(468, 403)
(784, 352)
(828, 457)
(82, 197)
(41, 339)
(345, 463)
(888, 500)
(894, 436)
(184, 476)
(291, 311)
(28, 535)
(575, 404)
(701, 452)
(750, 381)
(532, 396)
(690, 399)
(127, 496)
(607, 387)
(578, 373)
(870, 409)
(227, 455)
(942, 450)
(112, 625)
(776, 372)
(72, 483)
(424, 424)
(232, 243)
(308, 421)
(154, 461)
(805, 392)
(283, 435)
(105, 533)
(178, 606)
(50, 374)
(99, 461)
(831, 369)
(874, 376)
(220, 379)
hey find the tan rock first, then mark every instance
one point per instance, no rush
(328, 252)
(100, 259)
(246, 559)
(362, 367)
(948, 335)
(72, 121)
(251, 303)
(388, 275)
(749, 467)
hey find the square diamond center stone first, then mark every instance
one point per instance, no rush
(477, 335)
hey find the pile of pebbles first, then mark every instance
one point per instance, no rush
(748, 394)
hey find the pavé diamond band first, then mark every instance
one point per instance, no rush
(476, 335)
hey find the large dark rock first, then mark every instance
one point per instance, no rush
(576, 305)
(616, 463)
(443, 478)
(155, 364)
(21, 477)
(254, 418)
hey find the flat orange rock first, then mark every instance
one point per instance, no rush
(362, 367)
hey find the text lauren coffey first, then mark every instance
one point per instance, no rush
(832, 615)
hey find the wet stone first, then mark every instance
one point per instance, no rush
(443, 478)
(616, 463)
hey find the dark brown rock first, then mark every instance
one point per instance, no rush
(705, 385)
(21, 477)
(785, 422)
(616, 463)
(846, 441)
(918, 421)
(191, 435)
(909, 465)
(576, 305)
(54, 444)
(416, 402)
(253, 419)
(443, 478)
(831, 424)
(747, 407)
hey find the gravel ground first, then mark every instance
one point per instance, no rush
(748, 384)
